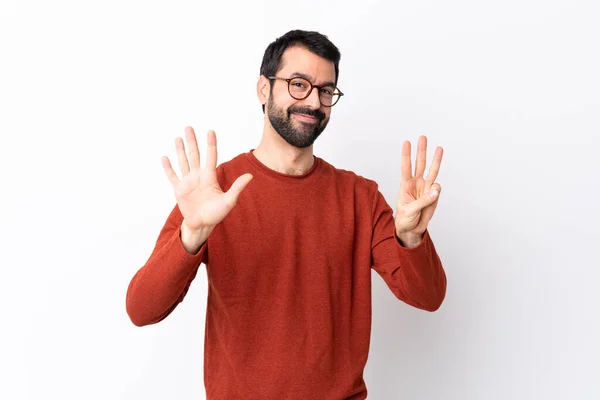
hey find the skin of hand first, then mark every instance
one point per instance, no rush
(419, 196)
(199, 196)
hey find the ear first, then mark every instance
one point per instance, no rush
(262, 89)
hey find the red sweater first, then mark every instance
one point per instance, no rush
(289, 282)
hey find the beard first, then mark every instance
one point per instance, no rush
(297, 133)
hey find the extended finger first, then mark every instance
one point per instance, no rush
(193, 150)
(183, 161)
(211, 150)
(421, 157)
(169, 171)
(406, 163)
(435, 165)
(232, 195)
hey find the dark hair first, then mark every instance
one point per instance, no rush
(314, 42)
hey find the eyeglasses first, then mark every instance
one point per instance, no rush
(300, 89)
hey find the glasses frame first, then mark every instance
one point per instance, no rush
(288, 80)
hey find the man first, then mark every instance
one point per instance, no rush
(288, 242)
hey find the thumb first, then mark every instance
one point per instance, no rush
(426, 199)
(235, 190)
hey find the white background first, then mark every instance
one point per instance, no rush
(92, 94)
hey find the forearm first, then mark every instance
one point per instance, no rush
(421, 279)
(162, 283)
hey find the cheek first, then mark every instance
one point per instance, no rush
(282, 101)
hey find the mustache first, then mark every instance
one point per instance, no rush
(318, 114)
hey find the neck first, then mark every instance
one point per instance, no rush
(277, 154)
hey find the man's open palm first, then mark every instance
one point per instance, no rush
(201, 201)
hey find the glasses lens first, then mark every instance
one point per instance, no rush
(335, 99)
(299, 88)
(327, 96)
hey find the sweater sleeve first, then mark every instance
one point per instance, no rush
(415, 275)
(162, 283)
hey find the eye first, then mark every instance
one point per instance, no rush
(327, 91)
(299, 84)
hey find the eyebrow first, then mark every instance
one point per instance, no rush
(308, 78)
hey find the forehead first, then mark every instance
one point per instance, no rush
(297, 59)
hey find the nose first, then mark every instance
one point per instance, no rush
(313, 99)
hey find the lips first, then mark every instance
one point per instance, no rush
(305, 118)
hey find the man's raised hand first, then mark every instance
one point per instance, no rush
(201, 201)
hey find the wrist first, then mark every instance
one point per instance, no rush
(193, 239)
(409, 239)
(196, 232)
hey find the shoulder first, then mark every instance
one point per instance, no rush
(361, 184)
